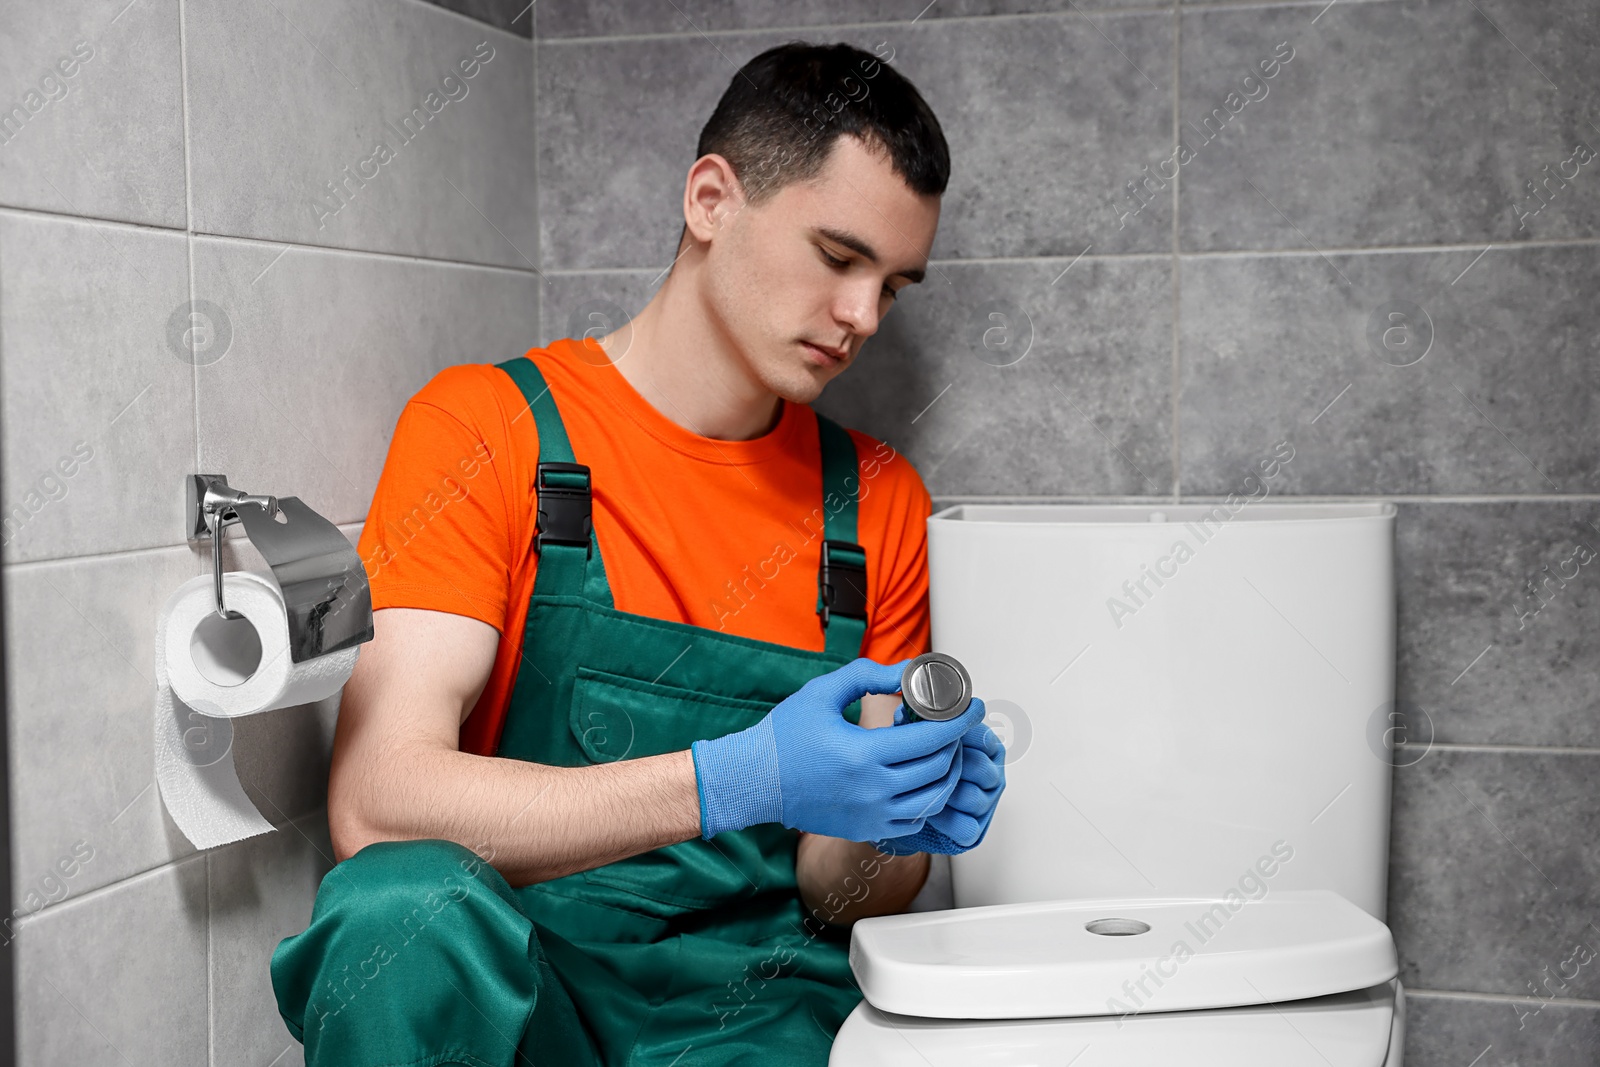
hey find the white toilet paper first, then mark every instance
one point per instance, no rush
(210, 671)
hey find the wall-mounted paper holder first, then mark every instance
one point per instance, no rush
(319, 572)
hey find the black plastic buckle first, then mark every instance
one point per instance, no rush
(565, 511)
(842, 580)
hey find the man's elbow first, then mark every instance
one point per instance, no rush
(346, 831)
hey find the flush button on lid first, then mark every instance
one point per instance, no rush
(936, 686)
(1054, 959)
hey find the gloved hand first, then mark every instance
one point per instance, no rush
(964, 821)
(806, 766)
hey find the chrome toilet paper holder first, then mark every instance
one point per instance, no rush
(317, 569)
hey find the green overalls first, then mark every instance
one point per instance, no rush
(692, 955)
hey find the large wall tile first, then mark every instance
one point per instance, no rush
(1454, 1031)
(578, 18)
(105, 140)
(1482, 659)
(1047, 119)
(1393, 123)
(118, 978)
(82, 735)
(261, 892)
(1493, 869)
(1488, 390)
(99, 402)
(1083, 406)
(333, 82)
(326, 348)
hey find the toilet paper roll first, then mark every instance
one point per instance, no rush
(211, 670)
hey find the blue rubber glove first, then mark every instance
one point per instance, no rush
(806, 766)
(964, 820)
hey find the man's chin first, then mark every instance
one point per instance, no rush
(799, 383)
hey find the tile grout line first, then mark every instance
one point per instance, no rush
(1135, 10)
(1176, 264)
(229, 541)
(165, 865)
(1519, 750)
(975, 261)
(100, 220)
(810, 29)
(1297, 498)
(538, 241)
(211, 975)
(188, 229)
(1462, 994)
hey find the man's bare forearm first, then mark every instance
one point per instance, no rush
(532, 822)
(842, 881)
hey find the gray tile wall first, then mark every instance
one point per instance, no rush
(185, 156)
(1171, 337)
(1176, 336)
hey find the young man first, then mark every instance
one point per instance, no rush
(628, 594)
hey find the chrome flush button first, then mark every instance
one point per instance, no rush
(935, 686)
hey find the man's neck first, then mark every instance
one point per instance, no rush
(688, 371)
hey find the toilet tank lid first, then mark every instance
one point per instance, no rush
(1119, 956)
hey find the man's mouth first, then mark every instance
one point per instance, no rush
(828, 356)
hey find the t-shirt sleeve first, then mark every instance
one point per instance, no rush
(894, 499)
(437, 534)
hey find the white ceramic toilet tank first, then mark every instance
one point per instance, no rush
(1175, 716)
(1196, 704)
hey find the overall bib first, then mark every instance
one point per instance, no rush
(699, 953)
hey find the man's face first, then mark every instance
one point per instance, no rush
(771, 286)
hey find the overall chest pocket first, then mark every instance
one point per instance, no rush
(614, 717)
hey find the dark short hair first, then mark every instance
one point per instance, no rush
(782, 112)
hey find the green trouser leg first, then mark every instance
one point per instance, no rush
(418, 954)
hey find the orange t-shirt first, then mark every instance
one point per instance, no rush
(725, 535)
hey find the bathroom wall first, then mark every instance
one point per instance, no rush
(188, 155)
(1159, 340)
(1172, 334)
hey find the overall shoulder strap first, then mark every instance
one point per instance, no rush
(569, 554)
(842, 574)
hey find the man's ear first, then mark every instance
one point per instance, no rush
(711, 196)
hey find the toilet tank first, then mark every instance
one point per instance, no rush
(1196, 699)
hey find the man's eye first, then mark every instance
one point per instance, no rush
(835, 262)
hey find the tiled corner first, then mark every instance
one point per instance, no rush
(99, 396)
(513, 16)
(118, 977)
(82, 735)
(262, 891)
(577, 18)
(573, 305)
(1392, 124)
(93, 118)
(1455, 1031)
(1031, 173)
(1411, 372)
(325, 349)
(1482, 659)
(1493, 870)
(336, 85)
